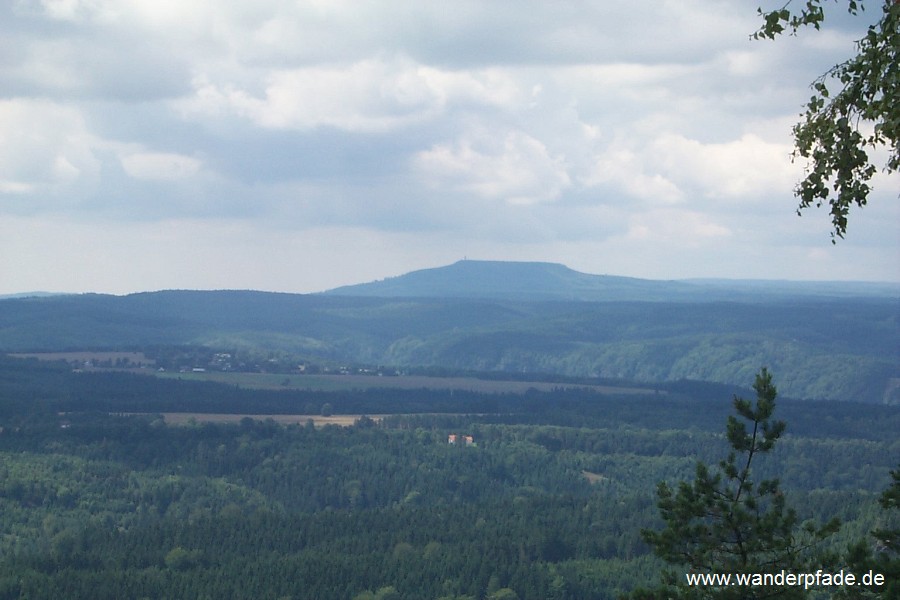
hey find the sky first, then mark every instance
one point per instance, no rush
(300, 145)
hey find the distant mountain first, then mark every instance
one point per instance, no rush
(29, 295)
(541, 281)
(530, 281)
(822, 340)
(780, 287)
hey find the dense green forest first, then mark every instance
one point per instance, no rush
(547, 502)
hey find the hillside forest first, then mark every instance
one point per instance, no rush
(823, 347)
(449, 493)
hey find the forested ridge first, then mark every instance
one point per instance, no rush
(839, 348)
(548, 502)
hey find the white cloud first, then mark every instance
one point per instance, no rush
(66, 10)
(43, 144)
(748, 166)
(15, 187)
(671, 168)
(366, 96)
(624, 169)
(146, 13)
(373, 95)
(160, 166)
(510, 166)
(685, 227)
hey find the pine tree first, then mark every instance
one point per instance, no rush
(724, 523)
(881, 553)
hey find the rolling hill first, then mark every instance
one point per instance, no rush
(510, 317)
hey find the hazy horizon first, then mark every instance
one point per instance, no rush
(698, 280)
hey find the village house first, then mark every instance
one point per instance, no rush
(454, 439)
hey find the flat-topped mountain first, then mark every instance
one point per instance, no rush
(542, 281)
(518, 280)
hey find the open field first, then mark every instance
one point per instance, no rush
(329, 383)
(87, 356)
(137, 362)
(318, 420)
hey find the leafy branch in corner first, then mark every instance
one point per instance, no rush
(854, 112)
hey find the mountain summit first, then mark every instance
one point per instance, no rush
(543, 281)
(535, 281)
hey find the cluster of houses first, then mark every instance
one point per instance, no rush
(454, 439)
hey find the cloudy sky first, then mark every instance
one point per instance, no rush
(298, 145)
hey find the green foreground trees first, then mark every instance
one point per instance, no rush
(881, 553)
(724, 523)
